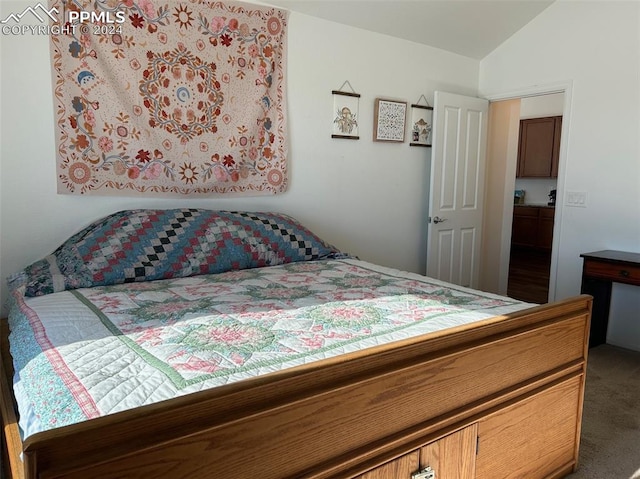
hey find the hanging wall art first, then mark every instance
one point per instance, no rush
(421, 124)
(175, 98)
(345, 113)
(389, 120)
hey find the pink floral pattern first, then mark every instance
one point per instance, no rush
(184, 98)
(165, 338)
(215, 324)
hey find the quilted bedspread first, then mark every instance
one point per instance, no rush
(89, 352)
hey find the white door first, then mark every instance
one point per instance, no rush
(457, 188)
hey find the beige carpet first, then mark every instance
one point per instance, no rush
(610, 443)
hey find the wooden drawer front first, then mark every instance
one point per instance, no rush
(612, 271)
(534, 438)
(526, 211)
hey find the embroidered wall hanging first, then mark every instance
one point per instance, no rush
(170, 98)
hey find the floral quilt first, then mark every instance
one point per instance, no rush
(170, 97)
(94, 351)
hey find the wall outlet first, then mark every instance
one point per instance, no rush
(576, 198)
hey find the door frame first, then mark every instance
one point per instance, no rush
(565, 87)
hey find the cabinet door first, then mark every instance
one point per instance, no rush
(524, 231)
(536, 148)
(545, 228)
(533, 438)
(453, 456)
(400, 468)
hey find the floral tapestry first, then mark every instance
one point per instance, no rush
(170, 97)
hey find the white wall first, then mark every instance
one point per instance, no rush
(542, 105)
(594, 45)
(367, 198)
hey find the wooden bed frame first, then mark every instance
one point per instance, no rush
(497, 399)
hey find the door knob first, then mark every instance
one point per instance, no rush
(437, 219)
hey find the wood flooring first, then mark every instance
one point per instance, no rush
(529, 274)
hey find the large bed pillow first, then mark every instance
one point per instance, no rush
(143, 245)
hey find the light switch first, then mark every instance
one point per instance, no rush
(576, 198)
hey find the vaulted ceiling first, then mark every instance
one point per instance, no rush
(472, 28)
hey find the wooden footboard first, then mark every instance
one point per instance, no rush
(12, 466)
(495, 381)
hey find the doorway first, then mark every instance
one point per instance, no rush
(531, 272)
(534, 197)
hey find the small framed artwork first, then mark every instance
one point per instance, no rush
(421, 125)
(389, 120)
(345, 115)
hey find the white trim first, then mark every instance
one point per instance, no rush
(565, 87)
(533, 90)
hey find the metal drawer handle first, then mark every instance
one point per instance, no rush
(426, 473)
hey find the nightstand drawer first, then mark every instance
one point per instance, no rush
(621, 273)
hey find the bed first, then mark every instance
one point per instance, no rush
(195, 343)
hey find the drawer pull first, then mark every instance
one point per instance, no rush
(426, 473)
(624, 273)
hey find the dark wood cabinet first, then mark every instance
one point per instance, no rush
(532, 226)
(539, 147)
(524, 231)
(545, 227)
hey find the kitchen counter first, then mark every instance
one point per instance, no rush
(537, 205)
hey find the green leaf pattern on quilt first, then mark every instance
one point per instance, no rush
(207, 326)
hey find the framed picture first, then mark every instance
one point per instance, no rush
(421, 125)
(345, 115)
(389, 120)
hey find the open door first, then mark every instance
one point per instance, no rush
(457, 188)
